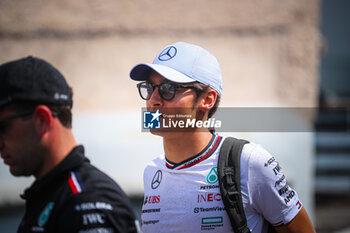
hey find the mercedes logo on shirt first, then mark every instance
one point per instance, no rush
(167, 54)
(157, 178)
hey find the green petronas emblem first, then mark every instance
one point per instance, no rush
(44, 216)
(212, 177)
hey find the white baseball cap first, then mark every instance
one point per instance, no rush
(183, 63)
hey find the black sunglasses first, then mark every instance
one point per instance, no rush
(3, 121)
(4, 125)
(167, 91)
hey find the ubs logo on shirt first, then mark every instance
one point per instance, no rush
(151, 199)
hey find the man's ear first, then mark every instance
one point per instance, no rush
(43, 119)
(208, 100)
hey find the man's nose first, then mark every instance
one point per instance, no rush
(156, 99)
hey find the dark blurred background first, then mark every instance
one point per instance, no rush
(332, 190)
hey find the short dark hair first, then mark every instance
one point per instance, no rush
(200, 88)
(63, 112)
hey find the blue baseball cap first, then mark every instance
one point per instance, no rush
(183, 63)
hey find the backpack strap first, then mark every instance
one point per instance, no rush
(230, 182)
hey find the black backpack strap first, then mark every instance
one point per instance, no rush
(230, 182)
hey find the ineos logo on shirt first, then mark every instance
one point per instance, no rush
(157, 178)
(168, 53)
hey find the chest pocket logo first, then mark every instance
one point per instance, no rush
(44, 216)
(212, 177)
(157, 178)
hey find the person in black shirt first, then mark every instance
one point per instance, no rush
(68, 194)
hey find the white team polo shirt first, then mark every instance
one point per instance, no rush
(186, 197)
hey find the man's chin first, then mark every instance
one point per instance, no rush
(173, 131)
(158, 132)
(17, 173)
(162, 132)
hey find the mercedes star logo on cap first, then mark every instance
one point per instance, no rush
(167, 54)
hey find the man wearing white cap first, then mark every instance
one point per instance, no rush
(181, 187)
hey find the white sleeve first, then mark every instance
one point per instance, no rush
(269, 193)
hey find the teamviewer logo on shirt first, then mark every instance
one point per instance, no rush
(151, 120)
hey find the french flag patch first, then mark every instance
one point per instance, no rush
(74, 183)
(298, 204)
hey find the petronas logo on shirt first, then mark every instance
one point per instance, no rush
(212, 177)
(44, 216)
